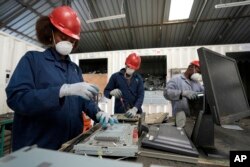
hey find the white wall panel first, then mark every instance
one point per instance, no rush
(11, 50)
(177, 57)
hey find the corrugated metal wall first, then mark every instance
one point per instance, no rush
(177, 57)
(11, 50)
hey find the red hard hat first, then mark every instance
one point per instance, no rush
(196, 63)
(66, 20)
(133, 61)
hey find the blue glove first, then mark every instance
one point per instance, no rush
(131, 112)
(191, 95)
(105, 119)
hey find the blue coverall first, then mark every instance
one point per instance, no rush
(175, 86)
(132, 93)
(40, 116)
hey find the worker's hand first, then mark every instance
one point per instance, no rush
(83, 89)
(191, 95)
(131, 112)
(117, 93)
(105, 119)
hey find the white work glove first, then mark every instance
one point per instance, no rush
(83, 89)
(191, 95)
(117, 93)
(131, 112)
(105, 119)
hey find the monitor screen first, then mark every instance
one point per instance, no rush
(223, 87)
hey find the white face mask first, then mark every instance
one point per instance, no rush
(129, 71)
(64, 47)
(196, 77)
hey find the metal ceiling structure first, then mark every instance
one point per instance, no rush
(146, 23)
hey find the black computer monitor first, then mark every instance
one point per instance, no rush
(223, 87)
(225, 100)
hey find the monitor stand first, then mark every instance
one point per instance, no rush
(203, 134)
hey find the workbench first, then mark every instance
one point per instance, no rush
(225, 140)
(5, 119)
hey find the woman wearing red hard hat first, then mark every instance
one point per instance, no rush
(127, 87)
(47, 91)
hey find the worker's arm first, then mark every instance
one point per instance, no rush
(172, 92)
(110, 86)
(22, 94)
(91, 109)
(176, 89)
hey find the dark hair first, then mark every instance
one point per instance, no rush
(191, 66)
(44, 30)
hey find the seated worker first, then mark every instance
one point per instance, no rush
(127, 88)
(182, 87)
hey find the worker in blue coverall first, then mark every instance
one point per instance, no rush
(182, 87)
(47, 91)
(127, 88)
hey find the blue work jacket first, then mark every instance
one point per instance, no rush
(132, 93)
(40, 116)
(173, 90)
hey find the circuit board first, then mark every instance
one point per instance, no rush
(123, 118)
(118, 140)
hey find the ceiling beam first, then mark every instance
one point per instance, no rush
(20, 33)
(66, 2)
(162, 22)
(98, 25)
(197, 20)
(126, 11)
(51, 4)
(19, 12)
(27, 6)
(12, 17)
(229, 24)
(171, 23)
